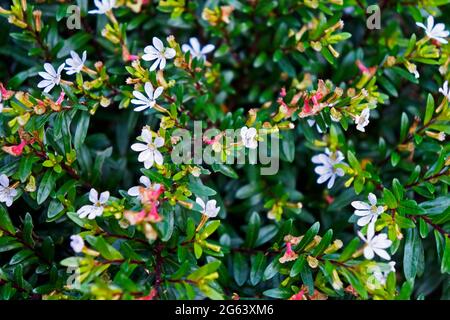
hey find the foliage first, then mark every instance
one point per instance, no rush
(295, 69)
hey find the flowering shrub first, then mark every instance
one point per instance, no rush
(224, 149)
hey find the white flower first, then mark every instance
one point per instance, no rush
(136, 190)
(144, 102)
(77, 243)
(436, 32)
(381, 272)
(375, 244)
(7, 193)
(51, 77)
(368, 212)
(445, 90)
(75, 64)
(96, 209)
(327, 170)
(209, 209)
(248, 136)
(195, 50)
(103, 6)
(149, 151)
(159, 53)
(362, 120)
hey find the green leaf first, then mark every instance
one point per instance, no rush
(209, 228)
(258, 263)
(225, 170)
(46, 186)
(298, 266)
(5, 221)
(411, 255)
(240, 268)
(308, 237)
(445, 264)
(204, 270)
(201, 190)
(389, 199)
(354, 163)
(198, 251)
(272, 269)
(404, 126)
(323, 244)
(278, 293)
(28, 230)
(81, 130)
(106, 250)
(20, 256)
(429, 110)
(253, 230)
(247, 191)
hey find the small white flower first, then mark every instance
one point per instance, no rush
(436, 32)
(144, 102)
(96, 209)
(77, 243)
(209, 209)
(136, 190)
(51, 77)
(103, 6)
(195, 49)
(327, 170)
(248, 136)
(362, 120)
(149, 150)
(75, 64)
(7, 193)
(381, 272)
(368, 212)
(445, 90)
(375, 244)
(158, 52)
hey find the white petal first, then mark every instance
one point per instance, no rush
(145, 155)
(368, 253)
(50, 70)
(169, 53)
(159, 142)
(162, 63)
(155, 64)
(138, 147)
(207, 49)
(4, 180)
(195, 44)
(382, 253)
(201, 203)
(158, 44)
(93, 195)
(149, 90)
(331, 182)
(145, 181)
(364, 220)
(104, 196)
(372, 199)
(158, 157)
(157, 92)
(134, 191)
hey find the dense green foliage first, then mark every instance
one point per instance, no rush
(363, 111)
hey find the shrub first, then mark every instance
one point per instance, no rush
(224, 149)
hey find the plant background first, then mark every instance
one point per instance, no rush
(254, 58)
